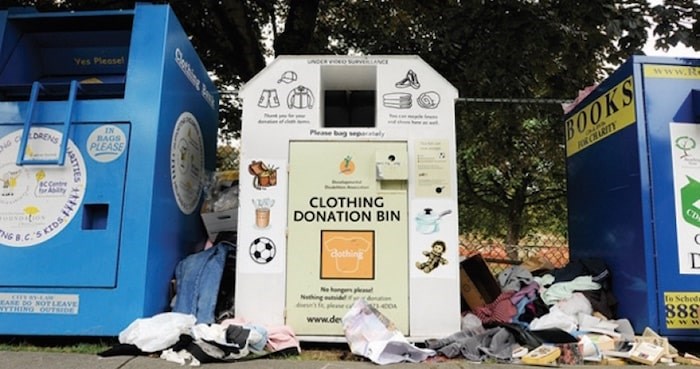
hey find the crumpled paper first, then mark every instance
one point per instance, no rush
(372, 335)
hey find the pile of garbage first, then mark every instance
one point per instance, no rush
(532, 314)
(526, 314)
(179, 338)
(200, 328)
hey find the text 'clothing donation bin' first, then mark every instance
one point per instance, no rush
(633, 165)
(108, 122)
(348, 190)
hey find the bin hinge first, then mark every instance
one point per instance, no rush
(33, 97)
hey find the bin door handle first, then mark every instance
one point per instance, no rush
(34, 96)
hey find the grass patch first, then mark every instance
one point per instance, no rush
(74, 345)
(327, 352)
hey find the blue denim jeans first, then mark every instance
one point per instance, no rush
(198, 277)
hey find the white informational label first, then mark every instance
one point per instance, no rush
(31, 303)
(686, 192)
(106, 143)
(38, 201)
(187, 162)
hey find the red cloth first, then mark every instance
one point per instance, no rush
(582, 94)
(500, 310)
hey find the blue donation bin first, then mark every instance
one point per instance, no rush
(633, 162)
(108, 122)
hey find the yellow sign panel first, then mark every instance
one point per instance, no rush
(347, 234)
(432, 176)
(682, 310)
(671, 71)
(603, 117)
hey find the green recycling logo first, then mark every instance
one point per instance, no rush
(685, 144)
(690, 194)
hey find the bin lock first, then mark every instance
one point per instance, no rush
(391, 165)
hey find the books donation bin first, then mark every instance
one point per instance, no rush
(633, 165)
(348, 190)
(107, 124)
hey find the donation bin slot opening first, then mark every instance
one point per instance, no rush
(55, 50)
(95, 216)
(349, 96)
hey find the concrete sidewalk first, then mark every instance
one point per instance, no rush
(47, 360)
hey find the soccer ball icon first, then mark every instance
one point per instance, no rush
(262, 250)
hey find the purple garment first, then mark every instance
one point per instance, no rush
(529, 291)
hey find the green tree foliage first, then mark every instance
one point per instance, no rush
(511, 171)
(677, 23)
(511, 157)
(227, 157)
(464, 39)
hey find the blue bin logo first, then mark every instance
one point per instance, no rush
(38, 202)
(187, 162)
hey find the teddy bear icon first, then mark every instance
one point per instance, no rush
(435, 258)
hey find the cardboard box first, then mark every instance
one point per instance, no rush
(220, 221)
(470, 295)
(223, 184)
(478, 286)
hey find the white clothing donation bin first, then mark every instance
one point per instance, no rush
(348, 190)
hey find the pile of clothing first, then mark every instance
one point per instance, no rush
(178, 338)
(536, 307)
(198, 329)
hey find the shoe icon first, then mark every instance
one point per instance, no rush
(411, 80)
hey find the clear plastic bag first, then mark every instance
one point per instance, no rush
(158, 332)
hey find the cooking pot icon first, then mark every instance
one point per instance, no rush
(428, 223)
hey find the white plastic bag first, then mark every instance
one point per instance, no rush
(158, 332)
(370, 334)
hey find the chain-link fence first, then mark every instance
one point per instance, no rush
(545, 250)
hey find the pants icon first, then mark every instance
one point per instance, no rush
(269, 99)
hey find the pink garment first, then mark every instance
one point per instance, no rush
(582, 94)
(281, 337)
(209, 244)
(529, 291)
(500, 310)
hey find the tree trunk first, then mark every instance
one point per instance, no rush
(298, 28)
(515, 221)
(512, 239)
